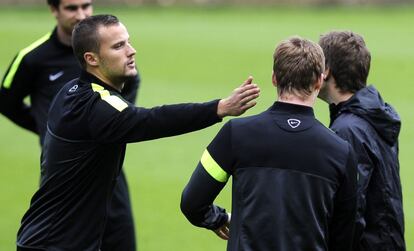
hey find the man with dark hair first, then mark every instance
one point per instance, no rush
(294, 181)
(360, 116)
(40, 71)
(88, 127)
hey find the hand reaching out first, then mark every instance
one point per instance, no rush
(240, 100)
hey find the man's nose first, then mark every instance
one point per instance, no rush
(131, 50)
(81, 14)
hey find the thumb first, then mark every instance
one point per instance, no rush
(248, 81)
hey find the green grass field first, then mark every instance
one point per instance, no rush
(194, 54)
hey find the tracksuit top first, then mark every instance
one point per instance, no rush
(89, 125)
(294, 183)
(39, 71)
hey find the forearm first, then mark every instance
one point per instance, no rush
(197, 201)
(171, 120)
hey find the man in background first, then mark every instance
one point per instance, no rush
(360, 116)
(294, 180)
(39, 71)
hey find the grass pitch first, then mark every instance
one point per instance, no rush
(198, 54)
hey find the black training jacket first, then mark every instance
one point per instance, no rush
(294, 183)
(40, 71)
(89, 125)
(372, 128)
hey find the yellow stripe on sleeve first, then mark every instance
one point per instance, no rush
(116, 102)
(211, 166)
(113, 100)
(13, 68)
(96, 87)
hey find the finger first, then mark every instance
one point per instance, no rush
(247, 98)
(224, 234)
(248, 105)
(244, 88)
(226, 230)
(248, 81)
(220, 234)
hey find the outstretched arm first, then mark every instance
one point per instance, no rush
(133, 124)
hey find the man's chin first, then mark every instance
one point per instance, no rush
(130, 77)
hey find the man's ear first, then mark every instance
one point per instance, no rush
(91, 59)
(327, 74)
(274, 79)
(319, 82)
(54, 10)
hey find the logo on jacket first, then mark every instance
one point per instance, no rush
(73, 88)
(293, 123)
(53, 77)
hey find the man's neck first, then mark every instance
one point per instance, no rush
(331, 94)
(103, 78)
(297, 100)
(63, 37)
(338, 97)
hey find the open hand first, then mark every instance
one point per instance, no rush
(240, 100)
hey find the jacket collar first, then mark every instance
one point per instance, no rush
(368, 104)
(336, 109)
(292, 118)
(89, 78)
(292, 108)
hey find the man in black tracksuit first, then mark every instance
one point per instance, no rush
(294, 180)
(360, 116)
(89, 125)
(40, 71)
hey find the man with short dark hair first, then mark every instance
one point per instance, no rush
(360, 116)
(40, 71)
(88, 127)
(294, 181)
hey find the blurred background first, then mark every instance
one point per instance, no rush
(198, 50)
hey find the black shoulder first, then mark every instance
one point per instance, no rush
(35, 51)
(249, 120)
(331, 138)
(349, 126)
(347, 120)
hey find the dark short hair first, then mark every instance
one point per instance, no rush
(348, 59)
(297, 65)
(54, 3)
(85, 37)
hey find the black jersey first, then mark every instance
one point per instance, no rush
(294, 183)
(88, 127)
(40, 71)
